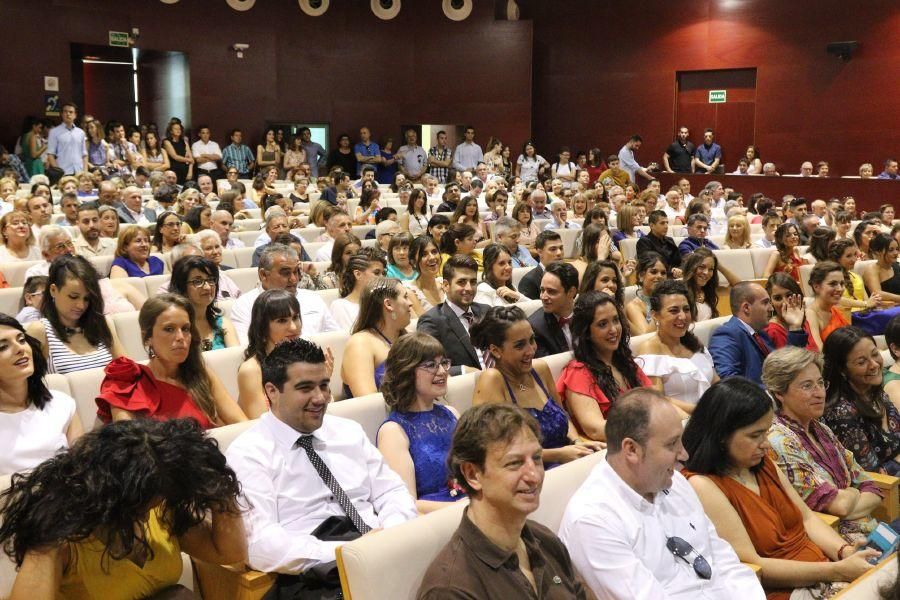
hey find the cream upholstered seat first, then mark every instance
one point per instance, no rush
(628, 248)
(153, 283)
(568, 239)
(805, 270)
(518, 273)
(557, 362)
(85, 386)
(337, 341)
(369, 411)
(58, 382)
(245, 279)
(129, 332)
(14, 272)
(530, 307)
(760, 258)
(415, 544)
(461, 390)
(228, 433)
(243, 257)
(135, 283)
(739, 262)
(704, 329)
(225, 363)
(9, 300)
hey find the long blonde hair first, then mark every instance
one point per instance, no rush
(744, 241)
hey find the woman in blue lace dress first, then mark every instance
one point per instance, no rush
(415, 438)
(505, 337)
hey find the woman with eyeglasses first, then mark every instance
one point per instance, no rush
(197, 279)
(753, 504)
(415, 438)
(384, 315)
(168, 233)
(823, 473)
(786, 259)
(32, 296)
(18, 238)
(858, 410)
(73, 332)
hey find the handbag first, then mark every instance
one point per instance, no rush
(322, 581)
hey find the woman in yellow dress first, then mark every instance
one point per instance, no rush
(110, 517)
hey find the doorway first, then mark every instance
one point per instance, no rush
(733, 121)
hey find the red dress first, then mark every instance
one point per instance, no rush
(792, 267)
(133, 387)
(778, 334)
(576, 377)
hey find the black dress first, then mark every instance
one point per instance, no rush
(179, 168)
(347, 162)
(892, 285)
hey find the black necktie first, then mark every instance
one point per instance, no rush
(469, 317)
(324, 472)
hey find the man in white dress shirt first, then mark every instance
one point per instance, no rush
(636, 529)
(207, 155)
(283, 463)
(279, 269)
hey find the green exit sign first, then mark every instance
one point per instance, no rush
(118, 38)
(717, 96)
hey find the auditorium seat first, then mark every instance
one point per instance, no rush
(636, 341)
(228, 258)
(85, 385)
(805, 270)
(129, 332)
(629, 293)
(248, 237)
(518, 273)
(704, 329)
(153, 282)
(245, 278)
(225, 363)
(308, 234)
(461, 390)
(328, 296)
(243, 257)
(530, 307)
(760, 258)
(628, 248)
(369, 411)
(568, 239)
(9, 300)
(247, 225)
(337, 341)
(557, 362)
(228, 433)
(135, 283)
(14, 272)
(363, 562)
(739, 262)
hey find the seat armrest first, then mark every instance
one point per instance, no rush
(231, 582)
(755, 568)
(889, 510)
(830, 520)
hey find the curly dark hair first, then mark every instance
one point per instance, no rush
(109, 479)
(675, 287)
(589, 279)
(492, 254)
(585, 307)
(711, 289)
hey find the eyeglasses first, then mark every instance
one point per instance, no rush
(63, 246)
(433, 366)
(172, 224)
(201, 283)
(808, 386)
(683, 549)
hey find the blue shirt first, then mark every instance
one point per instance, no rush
(67, 144)
(314, 153)
(467, 156)
(688, 245)
(238, 157)
(523, 258)
(366, 150)
(708, 154)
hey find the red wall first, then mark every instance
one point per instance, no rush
(610, 72)
(347, 67)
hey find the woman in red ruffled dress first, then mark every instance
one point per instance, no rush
(175, 383)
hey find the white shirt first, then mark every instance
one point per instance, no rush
(30, 437)
(314, 313)
(763, 243)
(617, 541)
(262, 240)
(234, 243)
(289, 500)
(323, 254)
(344, 312)
(211, 147)
(42, 269)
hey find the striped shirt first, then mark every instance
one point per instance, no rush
(441, 173)
(62, 360)
(238, 157)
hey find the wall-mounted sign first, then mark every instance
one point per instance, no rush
(51, 104)
(717, 96)
(119, 39)
(51, 84)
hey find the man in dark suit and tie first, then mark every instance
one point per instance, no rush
(740, 346)
(450, 320)
(551, 322)
(550, 248)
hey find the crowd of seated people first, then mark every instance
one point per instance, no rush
(443, 252)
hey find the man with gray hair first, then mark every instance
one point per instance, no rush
(507, 231)
(279, 268)
(636, 528)
(538, 202)
(560, 219)
(55, 241)
(276, 225)
(131, 210)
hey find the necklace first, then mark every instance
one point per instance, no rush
(72, 330)
(384, 337)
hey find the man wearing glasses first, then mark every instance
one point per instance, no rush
(636, 529)
(55, 241)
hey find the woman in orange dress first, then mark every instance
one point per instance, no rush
(823, 315)
(752, 503)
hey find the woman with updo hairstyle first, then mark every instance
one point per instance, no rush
(460, 239)
(384, 315)
(604, 276)
(111, 516)
(73, 332)
(651, 270)
(673, 358)
(35, 422)
(175, 382)
(602, 368)
(416, 436)
(883, 277)
(819, 241)
(787, 259)
(345, 246)
(362, 267)
(516, 377)
(496, 287)
(823, 315)
(785, 294)
(197, 279)
(275, 318)
(846, 254)
(753, 504)
(857, 409)
(823, 473)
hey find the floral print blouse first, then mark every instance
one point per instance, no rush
(873, 447)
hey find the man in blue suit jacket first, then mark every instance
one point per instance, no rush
(739, 347)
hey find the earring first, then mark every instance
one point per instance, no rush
(150, 352)
(393, 316)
